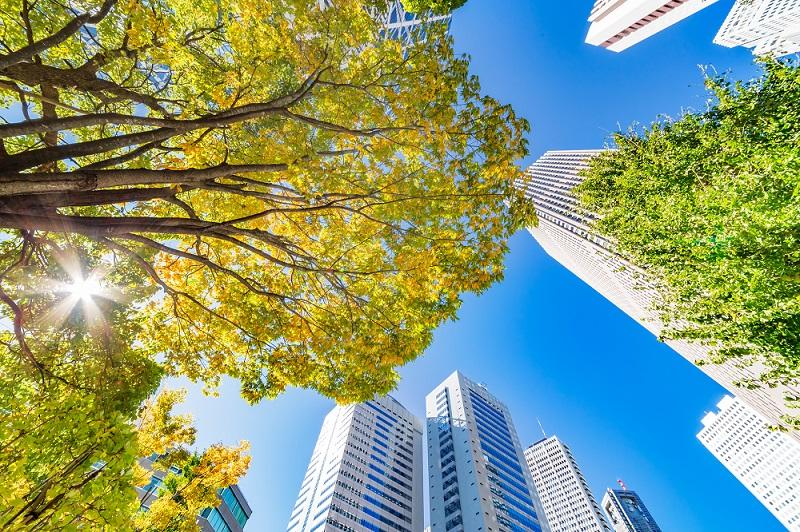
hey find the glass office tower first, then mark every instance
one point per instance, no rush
(230, 515)
(627, 512)
(476, 469)
(766, 462)
(565, 231)
(365, 473)
(399, 24)
(768, 27)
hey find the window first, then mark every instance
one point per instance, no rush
(216, 521)
(233, 504)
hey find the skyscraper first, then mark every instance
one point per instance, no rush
(399, 24)
(566, 234)
(365, 473)
(766, 462)
(230, 515)
(769, 27)
(568, 504)
(619, 24)
(478, 479)
(627, 512)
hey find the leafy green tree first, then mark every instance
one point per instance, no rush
(438, 7)
(710, 205)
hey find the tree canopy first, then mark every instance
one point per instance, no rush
(309, 199)
(264, 189)
(709, 204)
(438, 7)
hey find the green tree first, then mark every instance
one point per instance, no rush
(709, 204)
(438, 7)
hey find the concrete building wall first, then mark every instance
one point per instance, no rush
(619, 24)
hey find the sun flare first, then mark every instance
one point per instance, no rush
(85, 289)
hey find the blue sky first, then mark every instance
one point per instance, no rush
(542, 341)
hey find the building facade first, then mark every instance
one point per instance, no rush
(568, 504)
(365, 473)
(477, 473)
(400, 24)
(619, 24)
(627, 512)
(230, 515)
(769, 27)
(565, 233)
(766, 462)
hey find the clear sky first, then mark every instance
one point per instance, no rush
(542, 341)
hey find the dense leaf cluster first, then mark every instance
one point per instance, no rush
(710, 205)
(266, 189)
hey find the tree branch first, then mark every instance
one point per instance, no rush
(13, 183)
(27, 52)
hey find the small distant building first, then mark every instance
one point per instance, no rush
(619, 24)
(627, 512)
(230, 515)
(567, 501)
(399, 24)
(766, 462)
(769, 27)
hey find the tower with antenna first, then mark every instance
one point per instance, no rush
(627, 512)
(568, 503)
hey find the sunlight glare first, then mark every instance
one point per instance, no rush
(85, 288)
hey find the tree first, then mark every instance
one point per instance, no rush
(709, 204)
(437, 7)
(69, 393)
(263, 189)
(200, 477)
(308, 199)
(65, 467)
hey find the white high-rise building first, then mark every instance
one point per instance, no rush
(365, 473)
(399, 24)
(565, 233)
(769, 27)
(619, 24)
(478, 478)
(568, 504)
(766, 462)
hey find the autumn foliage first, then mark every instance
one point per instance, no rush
(263, 189)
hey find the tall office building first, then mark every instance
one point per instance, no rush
(619, 24)
(766, 462)
(230, 515)
(477, 474)
(627, 512)
(568, 504)
(400, 24)
(365, 473)
(769, 27)
(566, 234)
